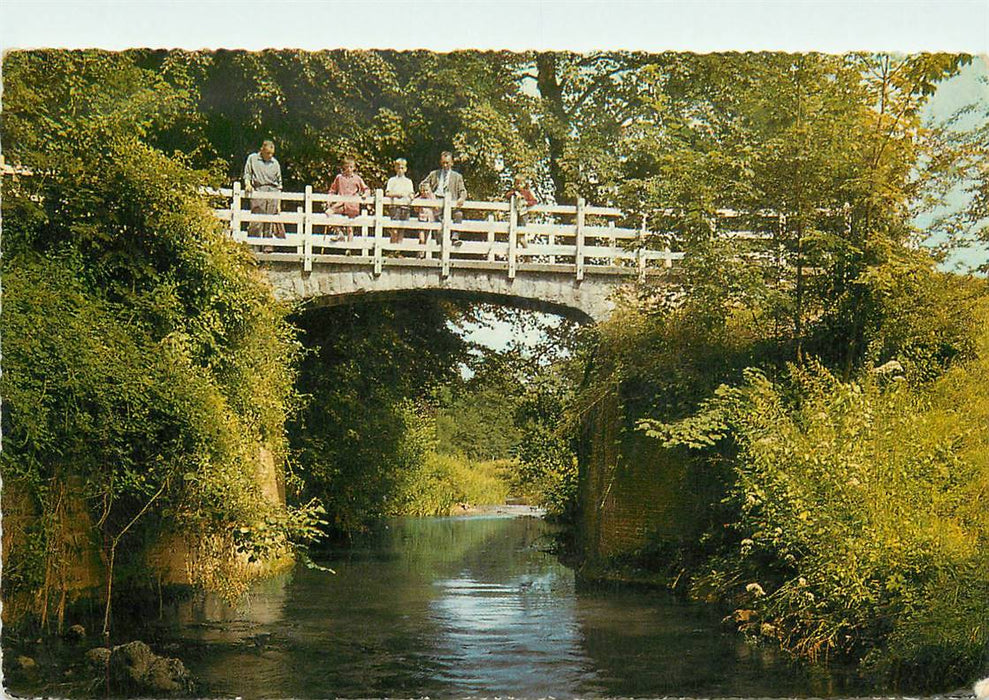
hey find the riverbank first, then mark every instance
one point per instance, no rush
(76, 664)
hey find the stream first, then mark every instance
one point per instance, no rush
(469, 606)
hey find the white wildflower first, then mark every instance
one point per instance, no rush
(891, 367)
(755, 589)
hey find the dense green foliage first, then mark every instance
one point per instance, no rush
(546, 461)
(959, 176)
(475, 417)
(850, 524)
(146, 365)
(859, 511)
(375, 106)
(369, 372)
(851, 470)
(828, 143)
(856, 513)
(450, 484)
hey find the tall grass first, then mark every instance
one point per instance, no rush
(444, 481)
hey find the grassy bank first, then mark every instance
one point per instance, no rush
(445, 481)
(860, 530)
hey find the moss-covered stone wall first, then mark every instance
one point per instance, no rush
(634, 496)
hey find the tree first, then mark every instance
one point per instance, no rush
(958, 171)
(372, 105)
(827, 144)
(586, 102)
(146, 363)
(368, 369)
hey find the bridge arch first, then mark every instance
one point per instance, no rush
(333, 285)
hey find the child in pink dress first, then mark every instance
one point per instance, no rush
(347, 183)
(525, 199)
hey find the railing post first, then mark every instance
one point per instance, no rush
(379, 209)
(366, 242)
(580, 238)
(430, 238)
(491, 238)
(612, 248)
(781, 247)
(512, 234)
(641, 260)
(235, 211)
(445, 239)
(307, 231)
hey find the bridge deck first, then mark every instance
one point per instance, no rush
(567, 240)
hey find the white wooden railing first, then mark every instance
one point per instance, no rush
(572, 240)
(575, 240)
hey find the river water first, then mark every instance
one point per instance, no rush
(468, 606)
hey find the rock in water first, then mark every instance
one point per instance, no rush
(129, 663)
(168, 675)
(134, 667)
(981, 689)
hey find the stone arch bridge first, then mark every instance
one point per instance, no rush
(568, 260)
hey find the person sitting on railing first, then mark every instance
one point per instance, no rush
(347, 183)
(445, 182)
(402, 188)
(263, 173)
(524, 198)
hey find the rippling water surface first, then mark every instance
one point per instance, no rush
(468, 606)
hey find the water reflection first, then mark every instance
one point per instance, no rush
(465, 606)
(647, 643)
(507, 622)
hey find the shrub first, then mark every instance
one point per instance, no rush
(859, 530)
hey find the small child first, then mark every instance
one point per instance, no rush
(399, 187)
(425, 214)
(347, 183)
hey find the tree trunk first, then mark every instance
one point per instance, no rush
(551, 91)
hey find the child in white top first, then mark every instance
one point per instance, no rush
(401, 187)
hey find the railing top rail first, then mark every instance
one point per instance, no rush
(470, 204)
(480, 205)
